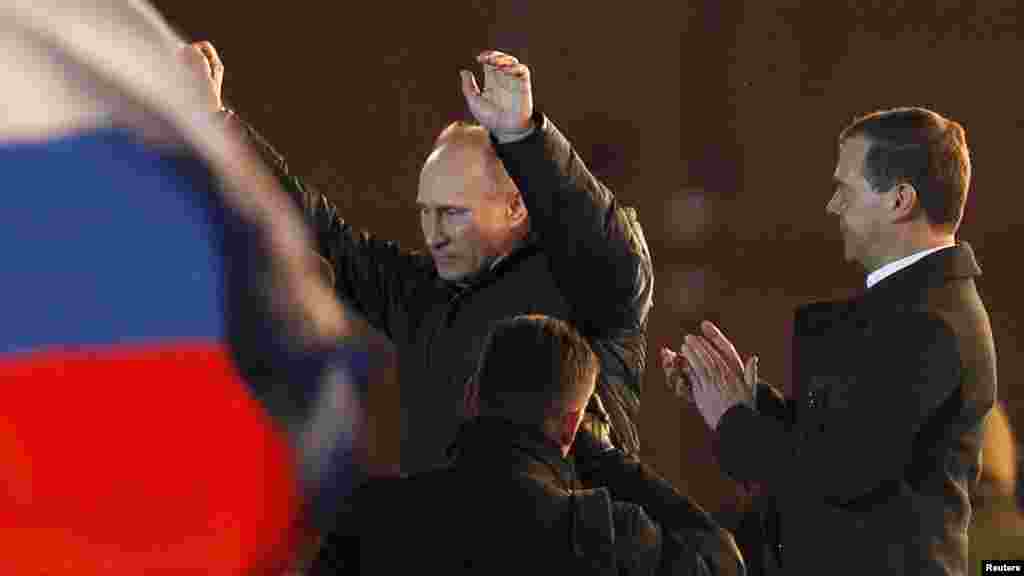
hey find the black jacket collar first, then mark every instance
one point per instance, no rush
(931, 271)
(528, 248)
(501, 445)
(903, 288)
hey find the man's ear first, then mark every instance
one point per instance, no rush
(516, 207)
(903, 202)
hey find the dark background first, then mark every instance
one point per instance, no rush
(717, 120)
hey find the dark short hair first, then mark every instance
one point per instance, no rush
(920, 147)
(533, 367)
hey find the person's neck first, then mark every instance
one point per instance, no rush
(909, 247)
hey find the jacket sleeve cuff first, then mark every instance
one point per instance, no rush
(735, 430)
(770, 401)
(539, 125)
(516, 136)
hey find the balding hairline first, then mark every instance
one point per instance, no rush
(460, 135)
(464, 132)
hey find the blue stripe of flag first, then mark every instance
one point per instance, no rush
(105, 242)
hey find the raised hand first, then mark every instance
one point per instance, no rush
(505, 105)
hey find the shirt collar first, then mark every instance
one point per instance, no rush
(894, 267)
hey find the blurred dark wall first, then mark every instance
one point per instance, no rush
(716, 120)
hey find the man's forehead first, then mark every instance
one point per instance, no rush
(454, 177)
(851, 158)
(442, 196)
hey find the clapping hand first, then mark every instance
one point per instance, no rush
(675, 367)
(718, 377)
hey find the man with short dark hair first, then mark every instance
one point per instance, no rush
(510, 503)
(869, 467)
(902, 152)
(549, 389)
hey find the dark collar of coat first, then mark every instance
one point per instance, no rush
(500, 445)
(528, 248)
(931, 271)
(906, 286)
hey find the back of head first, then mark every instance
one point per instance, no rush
(922, 148)
(534, 369)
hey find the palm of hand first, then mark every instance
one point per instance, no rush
(509, 98)
(721, 378)
(505, 105)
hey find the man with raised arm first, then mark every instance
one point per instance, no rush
(514, 223)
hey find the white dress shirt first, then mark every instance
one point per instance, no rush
(894, 267)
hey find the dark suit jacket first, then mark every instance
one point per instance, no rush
(868, 468)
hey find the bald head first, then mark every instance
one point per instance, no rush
(468, 146)
(470, 210)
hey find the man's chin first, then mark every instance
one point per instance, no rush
(849, 254)
(851, 257)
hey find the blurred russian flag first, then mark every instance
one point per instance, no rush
(174, 392)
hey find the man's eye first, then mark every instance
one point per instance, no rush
(454, 211)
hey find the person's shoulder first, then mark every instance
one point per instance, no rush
(638, 538)
(432, 480)
(423, 495)
(914, 342)
(913, 326)
(393, 485)
(633, 523)
(377, 488)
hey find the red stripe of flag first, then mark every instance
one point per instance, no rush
(146, 459)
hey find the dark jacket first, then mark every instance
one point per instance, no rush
(869, 468)
(509, 505)
(588, 263)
